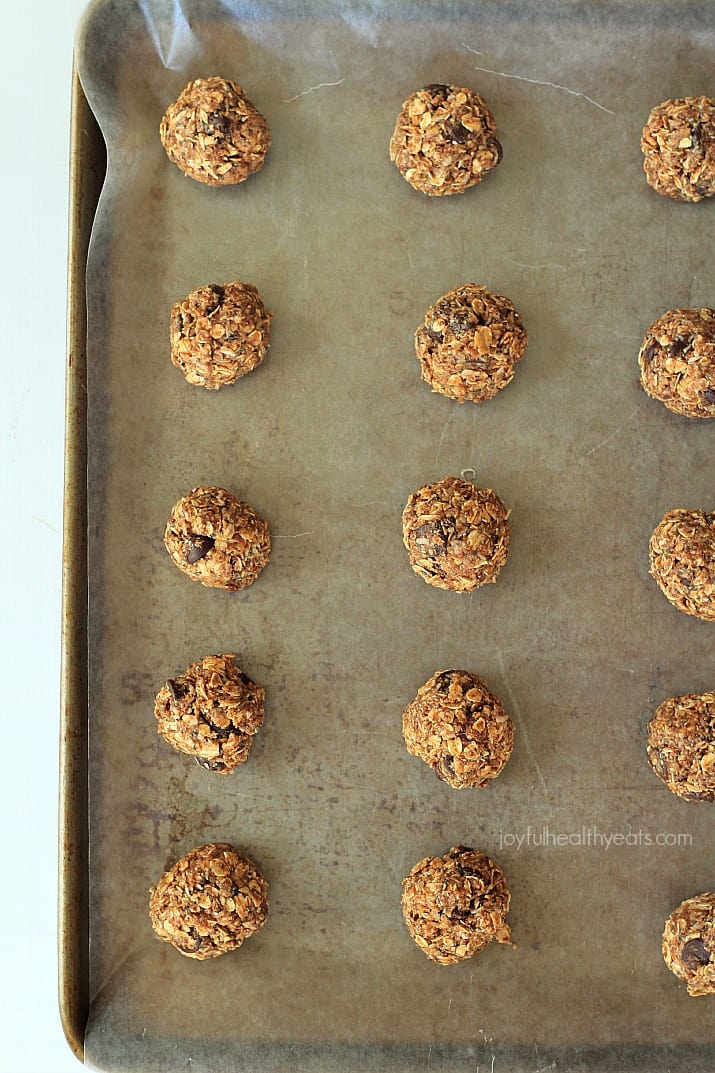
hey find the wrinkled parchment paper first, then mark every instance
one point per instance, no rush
(327, 439)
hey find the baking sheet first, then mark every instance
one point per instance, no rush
(327, 439)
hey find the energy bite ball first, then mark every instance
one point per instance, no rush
(677, 361)
(678, 144)
(689, 943)
(682, 561)
(217, 539)
(211, 712)
(456, 535)
(469, 343)
(681, 745)
(219, 333)
(209, 901)
(445, 140)
(455, 905)
(459, 727)
(214, 133)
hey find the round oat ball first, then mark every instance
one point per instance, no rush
(211, 712)
(456, 535)
(681, 745)
(689, 943)
(677, 361)
(469, 343)
(217, 539)
(219, 333)
(214, 133)
(445, 140)
(459, 727)
(209, 901)
(678, 144)
(682, 561)
(455, 905)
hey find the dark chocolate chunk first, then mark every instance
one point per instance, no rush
(462, 322)
(456, 133)
(651, 350)
(196, 547)
(196, 940)
(496, 147)
(467, 873)
(438, 90)
(443, 681)
(695, 953)
(206, 299)
(218, 123)
(176, 689)
(679, 345)
(220, 732)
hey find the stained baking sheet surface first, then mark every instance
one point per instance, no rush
(327, 439)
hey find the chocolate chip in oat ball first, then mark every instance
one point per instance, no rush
(459, 727)
(438, 91)
(454, 905)
(682, 561)
(689, 943)
(214, 133)
(176, 689)
(695, 953)
(677, 361)
(678, 144)
(217, 539)
(219, 334)
(469, 343)
(445, 140)
(681, 745)
(211, 712)
(456, 535)
(209, 902)
(196, 547)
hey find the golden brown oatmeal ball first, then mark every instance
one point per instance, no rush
(445, 140)
(689, 943)
(214, 133)
(682, 560)
(211, 712)
(217, 539)
(469, 343)
(459, 727)
(454, 905)
(219, 333)
(678, 144)
(456, 535)
(677, 361)
(209, 901)
(681, 745)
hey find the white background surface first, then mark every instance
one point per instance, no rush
(35, 79)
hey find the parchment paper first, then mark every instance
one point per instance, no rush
(327, 439)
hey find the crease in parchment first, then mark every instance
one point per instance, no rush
(173, 38)
(537, 82)
(518, 719)
(310, 89)
(612, 435)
